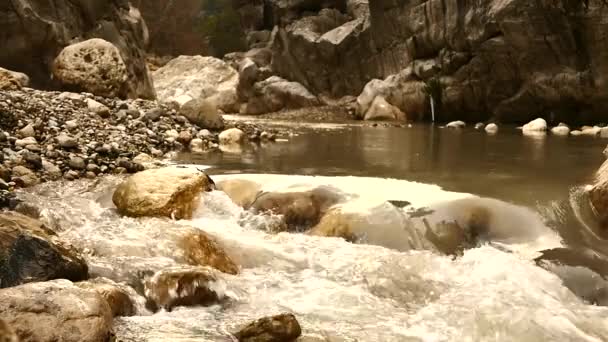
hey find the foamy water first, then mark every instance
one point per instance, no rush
(339, 291)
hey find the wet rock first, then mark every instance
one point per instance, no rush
(538, 125)
(382, 110)
(24, 177)
(300, 210)
(12, 80)
(30, 252)
(195, 77)
(67, 142)
(77, 163)
(94, 66)
(182, 286)
(201, 249)
(202, 113)
(491, 128)
(117, 298)
(562, 129)
(98, 108)
(6, 333)
(169, 192)
(231, 136)
(280, 328)
(241, 191)
(27, 131)
(456, 124)
(56, 311)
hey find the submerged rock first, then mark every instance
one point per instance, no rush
(31, 252)
(201, 249)
(169, 192)
(182, 286)
(280, 328)
(56, 311)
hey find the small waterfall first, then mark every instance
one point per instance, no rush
(432, 108)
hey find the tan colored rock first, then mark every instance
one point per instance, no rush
(201, 249)
(241, 191)
(382, 110)
(56, 311)
(169, 192)
(182, 286)
(280, 328)
(231, 136)
(94, 66)
(6, 333)
(202, 113)
(117, 298)
(31, 252)
(275, 94)
(12, 80)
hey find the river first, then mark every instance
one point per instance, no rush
(367, 292)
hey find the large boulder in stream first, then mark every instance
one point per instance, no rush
(279, 328)
(31, 252)
(168, 192)
(56, 311)
(182, 286)
(202, 250)
(188, 78)
(299, 210)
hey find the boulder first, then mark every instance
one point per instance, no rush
(182, 286)
(93, 66)
(382, 110)
(31, 252)
(231, 136)
(56, 311)
(169, 192)
(115, 295)
(6, 333)
(12, 80)
(241, 191)
(198, 78)
(538, 125)
(51, 28)
(275, 94)
(202, 113)
(201, 249)
(280, 328)
(299, 210)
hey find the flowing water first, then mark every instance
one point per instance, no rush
(395, 287)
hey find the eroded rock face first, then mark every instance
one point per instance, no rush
(169, 192)
(280, 328)
(36, 32)
(56, 311)
(188, 78)
(182, 286)
(31, 252)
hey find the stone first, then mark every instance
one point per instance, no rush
(197, 145)
(154, 114)
(5, 173)
(114, 294)
(231, 136)
(31, 252)
(168, 192)
(382, 110)
(143, 158)
(182, 286)
(241, 191)
(71, 175)
(202, 113)
(71, 124)
(66, 142)
(592, 131)
(56, 310)
(12, 80)
(98, 108)
(24, 177)
(538, 125)
(184, 137)
(604, 132)
(280, 328)
(456, 124)
(561, 130)
(33, 159)
(598, 198)
(198, 78)
(171, 134)
(201, 249)
(491, 128)
(576, 132)
(77, 163)
(52, 170)
(26, 141)
(27, 131)
(94, 168)
(480, 125)
(275, 94)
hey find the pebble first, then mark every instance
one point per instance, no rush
(27, 131)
